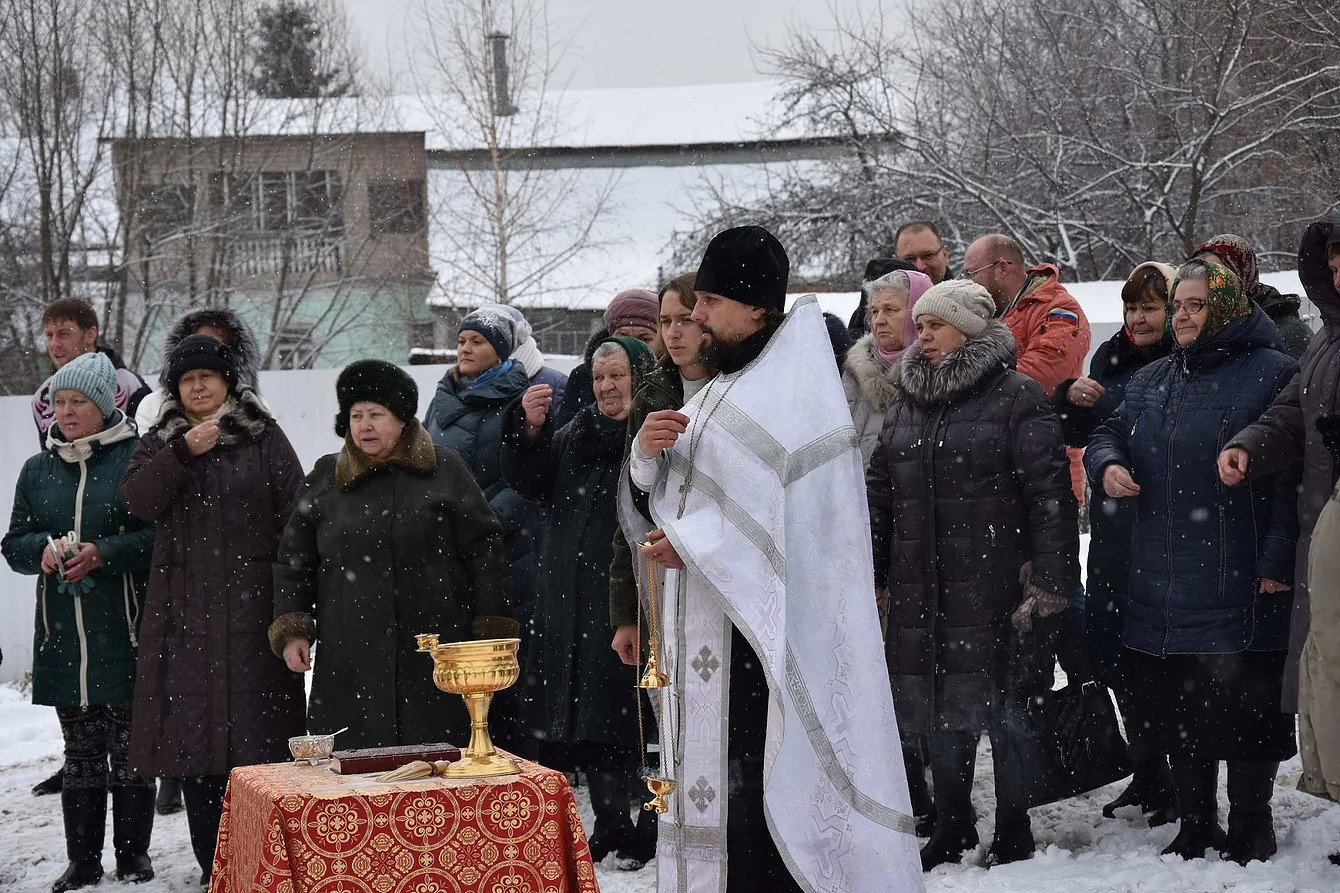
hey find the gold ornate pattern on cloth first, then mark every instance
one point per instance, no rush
(302, 829)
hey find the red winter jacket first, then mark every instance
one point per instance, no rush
(1053, 337)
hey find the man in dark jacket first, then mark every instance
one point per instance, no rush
(1288, 432)
(70, 327)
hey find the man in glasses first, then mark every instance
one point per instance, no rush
(1050, 328)
(918, 243)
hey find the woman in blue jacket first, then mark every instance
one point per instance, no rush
(1209, 597)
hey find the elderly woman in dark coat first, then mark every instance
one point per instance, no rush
(88, 613)
(1084, 404)
(391, 537)
(582, 693)
(218, 478)
(975, 536)
(1207, 613)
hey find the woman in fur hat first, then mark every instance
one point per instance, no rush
(1212, 567)
(976, 538)
(218, 478)
(217, 322)
(391, 536)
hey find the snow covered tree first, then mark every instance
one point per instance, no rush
(296, 55)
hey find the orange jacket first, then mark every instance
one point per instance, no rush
(1050, 329)
(1053, 338)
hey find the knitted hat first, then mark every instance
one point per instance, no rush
(746, 264)
(92, 375)
(962, 303)
(199, 352)
(1238, 256)
(496, 325)
(375, 381)
(520, 326)
(1225, 303)
(633, 307)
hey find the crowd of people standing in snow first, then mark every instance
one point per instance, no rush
(190, 570)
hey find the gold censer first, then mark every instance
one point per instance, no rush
(653, 678)
(475, 670)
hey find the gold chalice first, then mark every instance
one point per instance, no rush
(661, 788)
(475, 670)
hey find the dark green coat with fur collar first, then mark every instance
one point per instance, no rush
(374, 554)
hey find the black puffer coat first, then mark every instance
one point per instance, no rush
(374, 554)
(1287, 431)
(969, 482)
(577, 688)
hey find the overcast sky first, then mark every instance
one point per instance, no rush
(630, 42)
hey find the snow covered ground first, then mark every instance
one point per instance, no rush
(1079, 850)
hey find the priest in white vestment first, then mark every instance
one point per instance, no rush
(778, 724)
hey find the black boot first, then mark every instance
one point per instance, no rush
(1151, 789)
(1251, 830)
(609, 801)
(1196, 783)
(1014, 839)
(952, 755)
(203, 797)
(52, 785)
(85, 811)
(132, 826)
(914, 763)
(169, 796)
(640, 848)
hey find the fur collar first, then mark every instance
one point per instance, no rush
(962, 372)
(875, 380)
(415, 453)
(244, 423)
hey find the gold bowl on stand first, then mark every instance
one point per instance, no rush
(475, 670)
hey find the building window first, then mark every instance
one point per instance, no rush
(421, 334)
(295, 349)
(165, 209)
(396, 206)
(275, 201)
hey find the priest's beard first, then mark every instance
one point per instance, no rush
(715, 353)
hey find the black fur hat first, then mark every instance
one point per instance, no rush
(375, 381)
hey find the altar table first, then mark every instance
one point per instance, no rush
(290, 828)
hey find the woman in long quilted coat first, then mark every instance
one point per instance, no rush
(218, 478)
(976, 539)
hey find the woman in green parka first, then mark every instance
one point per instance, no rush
(88, 610)
(578, 694)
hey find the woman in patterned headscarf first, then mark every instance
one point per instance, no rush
(1210, 586)
(1234, 252)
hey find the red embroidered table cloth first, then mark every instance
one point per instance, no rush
(290, 828)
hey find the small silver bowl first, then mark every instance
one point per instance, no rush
(312, 748)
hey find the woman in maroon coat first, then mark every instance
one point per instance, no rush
(218, 478)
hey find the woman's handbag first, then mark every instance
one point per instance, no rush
(1067, 742)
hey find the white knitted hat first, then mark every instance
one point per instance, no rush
(962, 303)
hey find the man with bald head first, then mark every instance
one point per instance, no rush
(1049, 327)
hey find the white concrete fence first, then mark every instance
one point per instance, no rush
(302, 401)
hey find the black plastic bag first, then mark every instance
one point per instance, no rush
(1066, 742)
